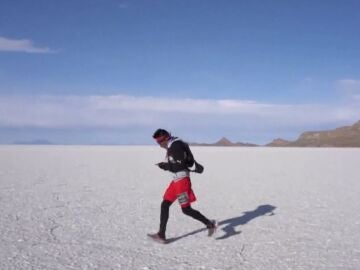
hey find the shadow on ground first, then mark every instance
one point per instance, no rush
(228, 226)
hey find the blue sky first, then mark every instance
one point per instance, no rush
(92, 71)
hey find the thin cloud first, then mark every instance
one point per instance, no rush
(120, 111)
(123, 5)
(350, 88)
(22, 45)
(349, 82)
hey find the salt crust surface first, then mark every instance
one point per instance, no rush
(90, 207)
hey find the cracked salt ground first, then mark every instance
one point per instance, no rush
(91, 208)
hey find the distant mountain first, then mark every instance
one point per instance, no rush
(348, 136)
(279, 143)
(224, 142)
(34, 142)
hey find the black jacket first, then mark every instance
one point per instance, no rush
(179, 156)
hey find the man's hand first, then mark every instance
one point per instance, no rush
(164, 165)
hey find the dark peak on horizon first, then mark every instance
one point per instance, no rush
(224, 142)
(35, 142)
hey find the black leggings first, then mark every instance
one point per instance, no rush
(164, 216)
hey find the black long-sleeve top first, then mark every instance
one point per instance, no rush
(179, 156)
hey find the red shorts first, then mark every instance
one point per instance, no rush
(180, 190)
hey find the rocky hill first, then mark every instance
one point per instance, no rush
(279, 143)
(348, 136)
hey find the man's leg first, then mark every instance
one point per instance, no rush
(164, 216)
(211, 225)
(195, 214)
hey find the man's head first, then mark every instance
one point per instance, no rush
(162, 137)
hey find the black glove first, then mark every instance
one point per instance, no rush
(164, 165)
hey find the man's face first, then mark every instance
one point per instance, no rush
(162, 141)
